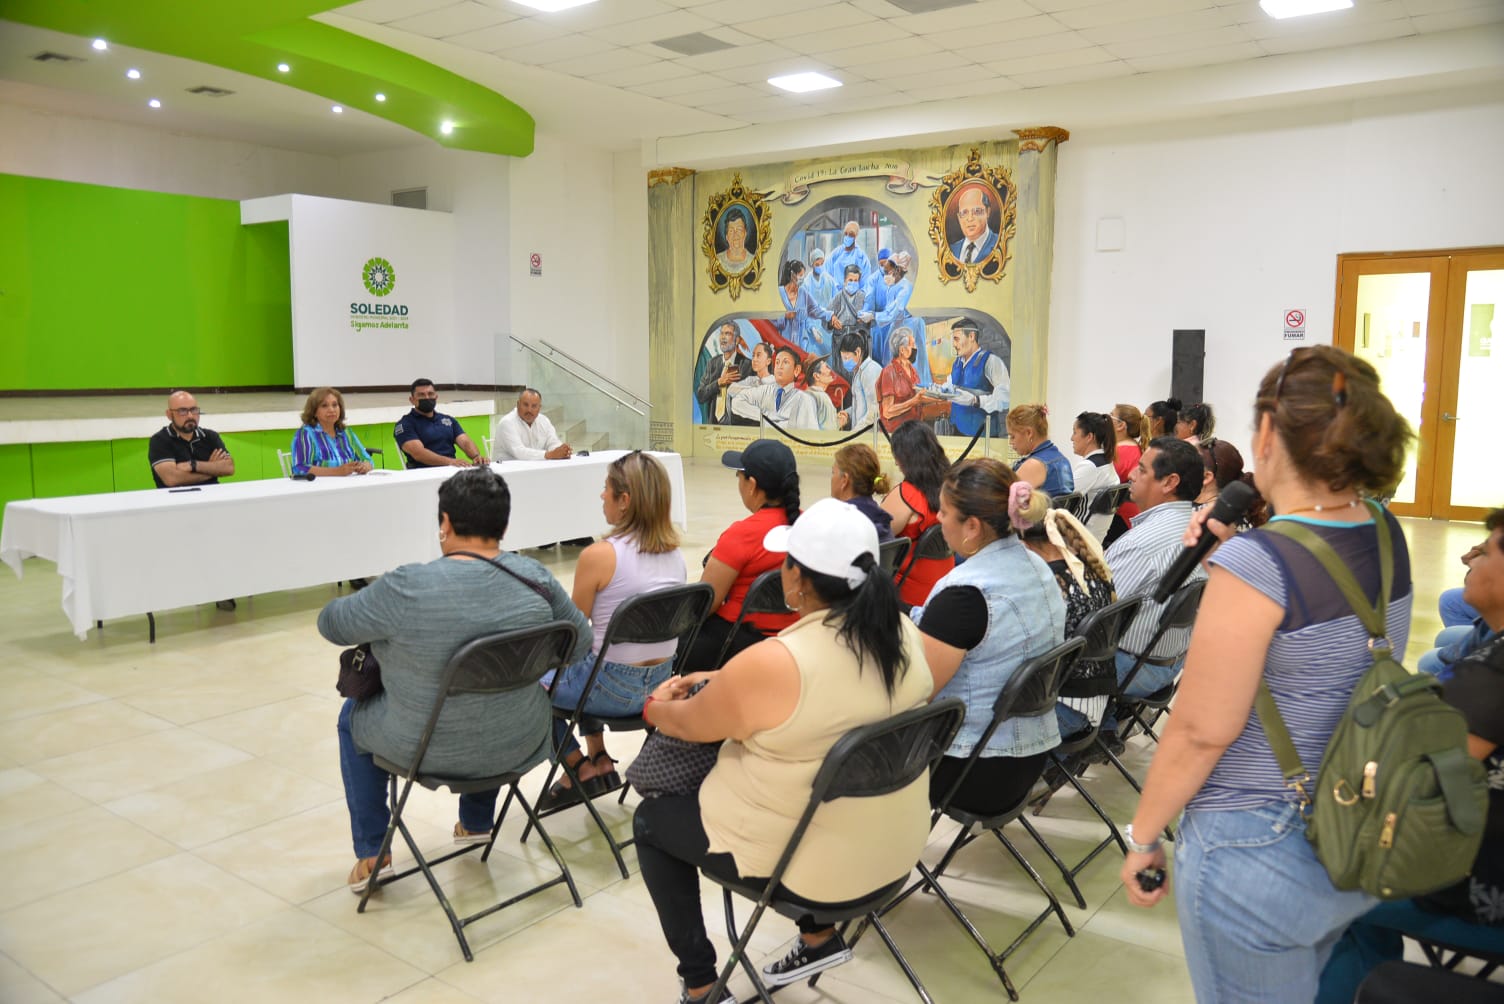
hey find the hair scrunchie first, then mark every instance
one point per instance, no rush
(1018, 501)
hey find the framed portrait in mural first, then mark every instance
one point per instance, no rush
(737, 234)
(973, 216)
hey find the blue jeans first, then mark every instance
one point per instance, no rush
(1455, 611)
(365, 795)
(1149, 679)
(1258, 914)
(1379, 936)
(619, 691)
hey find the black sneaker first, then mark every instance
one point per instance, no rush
(803, 962)
(727, 997)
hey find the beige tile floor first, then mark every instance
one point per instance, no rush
(173, 829)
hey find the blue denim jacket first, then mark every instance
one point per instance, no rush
(1025, 618)
(1060, 477)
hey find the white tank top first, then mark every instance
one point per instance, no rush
(636, 573)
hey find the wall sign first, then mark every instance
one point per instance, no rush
(535, 264)
(1295, 325)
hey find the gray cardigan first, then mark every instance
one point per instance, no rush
(416, 617)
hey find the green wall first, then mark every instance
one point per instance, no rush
(117, 288)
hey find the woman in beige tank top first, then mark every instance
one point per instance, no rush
(851, 659)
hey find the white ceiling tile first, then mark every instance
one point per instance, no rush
(733, 37)
(1174, 24)
(650, 29)
(602, 15)
(645, 74)
(813, 21)
(943, 89)
(382, 11)
(729, 94)
(782, 113)
(1197, 57)
(879, 8)
(746, 55)
(1414, 7)
(1055, 6)
(999, 33)
(1352, 35)
(761, 71)
(1453, 19)
(896, 53)
(870, 33)
(452, 20)
(869, 103)
(1074, 74)
(506, 36)
(961, 19)
(1179, 43)
(678, 85)
(594, 64)
(1016, 68)
(1058, 42)
(1128, 10)
(737, 11)
(937, 75)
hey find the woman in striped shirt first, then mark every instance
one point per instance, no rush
(323, 446)
(1258, 914)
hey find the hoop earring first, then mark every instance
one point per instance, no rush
(443, 536)
(794, 606)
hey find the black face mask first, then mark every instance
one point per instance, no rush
(427, 405)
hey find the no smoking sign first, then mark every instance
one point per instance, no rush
(535, 264)
(1295, 325)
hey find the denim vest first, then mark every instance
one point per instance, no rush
(972, 375)
(1059, 477)
(1025, 618)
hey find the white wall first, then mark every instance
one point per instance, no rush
(1230, 222)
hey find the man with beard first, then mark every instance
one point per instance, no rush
(181, 453)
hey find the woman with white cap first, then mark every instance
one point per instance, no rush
(849, 660)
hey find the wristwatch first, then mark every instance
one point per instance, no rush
(1135, 846)
(193, 464)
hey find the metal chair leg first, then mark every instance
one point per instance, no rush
(1065, 872)
(1049, 893)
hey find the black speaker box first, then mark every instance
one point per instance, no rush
(1187, 365)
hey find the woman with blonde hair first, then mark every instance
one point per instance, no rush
(639, 555)
(323, 446)
(854, 476)
(1040, 461)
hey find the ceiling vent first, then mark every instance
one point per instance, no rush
(57, 57)
(926, 6)
(694, 44)
(210, 92)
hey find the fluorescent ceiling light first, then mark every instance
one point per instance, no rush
(799, 83)
(133, 74)
(338, 109)
(551, 6)
(1300, 8)
(154, 103)
(100, 44)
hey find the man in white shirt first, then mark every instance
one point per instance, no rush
(525, 433)
(782, 400)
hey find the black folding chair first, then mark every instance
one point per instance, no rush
(662, 615)
(890, 554)
(873, 760)
(1405, 982)
(1101, 632)
(1032, 690)
(492, 664)
(764, 596)
(1101, 505)
(1072, 502)
(931, 544)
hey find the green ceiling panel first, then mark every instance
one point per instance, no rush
(253, 36)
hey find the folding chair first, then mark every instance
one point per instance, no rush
(1032, 690)
(1406, 982)
(491, 664)
(1072, 502)
(1101, 505)
(873, 760)
(285, 459)
(1101, 632)
(890, 554)
(764, 596)
(663, 615)
(931, 544)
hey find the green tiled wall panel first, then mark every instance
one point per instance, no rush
(72, 469)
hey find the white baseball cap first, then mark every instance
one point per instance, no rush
(828, 537)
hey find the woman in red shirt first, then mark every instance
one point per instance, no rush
(1128, 423)
(898, 385)
(768, 481)
(915, 503)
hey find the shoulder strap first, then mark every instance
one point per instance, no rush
(535, 587)
(1372, 616)
(1295, 774)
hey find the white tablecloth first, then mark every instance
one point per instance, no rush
(133, 552)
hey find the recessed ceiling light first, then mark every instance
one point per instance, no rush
(154, 103)
(550, 6)
(799, 83)
(100, 44)
(133, 74)
(1300, 8)
(380, 97)
(446, 127)
(338, 109)
(283, 68)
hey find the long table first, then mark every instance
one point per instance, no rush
(132, 553)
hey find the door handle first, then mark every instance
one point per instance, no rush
(1447, 416)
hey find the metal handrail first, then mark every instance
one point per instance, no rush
(593, 372)
(588, 378)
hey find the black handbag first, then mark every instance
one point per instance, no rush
(359, 673)
(670, 766)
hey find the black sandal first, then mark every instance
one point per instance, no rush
(605, 782)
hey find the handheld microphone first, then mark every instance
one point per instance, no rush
(307, 477)
(1229, 508)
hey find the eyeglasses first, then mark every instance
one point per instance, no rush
(970, 211)
(185, 411)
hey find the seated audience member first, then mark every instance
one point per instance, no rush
(1162, 416)
(525, 433)
(720, 373)
(1040, 461)
(415, 618)
(897, 389)
(183, 452)
(1454, 610)
(1167, 479)
(854, 476)
(1196, 424)
(850, 659)
(768, 482)
(978, 379)
(1094, 444)
(1129, 425)
(915, 506)
(984, 620)
(1469, 914)
(861, 373)
(1222, 464)
(1457, 642)
(1085, 582)
(821, 376)
(639, 555)
(429, 437)
(781, 401)
(324, 446)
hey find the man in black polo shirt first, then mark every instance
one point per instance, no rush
(181, 453)
(427, 436)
